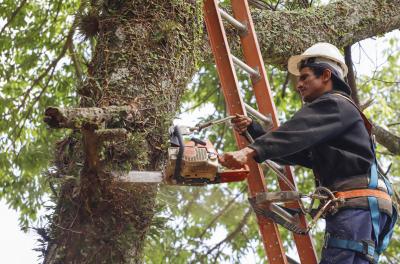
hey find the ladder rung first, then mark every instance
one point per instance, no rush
(254, 112)
(253, 73)
(237, 24)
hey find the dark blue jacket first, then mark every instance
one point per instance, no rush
(327, 135)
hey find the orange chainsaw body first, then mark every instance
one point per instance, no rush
(199, 166)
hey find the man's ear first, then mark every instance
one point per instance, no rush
(326, 75)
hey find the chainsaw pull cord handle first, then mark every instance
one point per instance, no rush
(178, 164)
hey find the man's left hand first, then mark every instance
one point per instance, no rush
(236, 159)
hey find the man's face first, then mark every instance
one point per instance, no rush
(310, 86)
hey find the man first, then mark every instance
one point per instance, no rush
(329, 136)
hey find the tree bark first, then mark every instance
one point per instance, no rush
(75, 118)
(351, 77)
(147, 51)
(146, 54)
(387, 139)
(284, 33)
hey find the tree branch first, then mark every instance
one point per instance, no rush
(387, 139)
(51, 68)
(351, 78)
(285, 33)
(220, 213)
(75, 118)
(13, 15)
(234, 233)
(75, 61)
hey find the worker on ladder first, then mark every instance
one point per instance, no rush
(331, 136)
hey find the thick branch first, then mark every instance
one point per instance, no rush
(284, 33)
(387, 139)
(74, 118)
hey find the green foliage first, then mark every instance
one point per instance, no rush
(34, 73)
(189, 237)
(37, 70)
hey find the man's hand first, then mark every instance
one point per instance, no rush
(241, 122)
(236, 159)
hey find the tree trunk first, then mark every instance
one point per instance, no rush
(145, 55)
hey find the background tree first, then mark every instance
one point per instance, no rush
(125, 64)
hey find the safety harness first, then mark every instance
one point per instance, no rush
(369, 249)
(266, 204)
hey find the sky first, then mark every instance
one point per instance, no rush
(16, 246)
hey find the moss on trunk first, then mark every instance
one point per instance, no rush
(146, 53)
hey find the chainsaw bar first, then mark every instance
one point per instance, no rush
(159, 177)
(140, 176)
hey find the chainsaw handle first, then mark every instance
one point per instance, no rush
(245, 169)
(234, 175)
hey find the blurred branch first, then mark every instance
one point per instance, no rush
(221, 136)
(233, 234)
(366, 104)
(13, 15)
(49, 68)
(185, 214)
(297, 4)
(388, 82)
(75, 61)
(262, 5)
(195, 195)
(221, 213)
(20, 126)
(205, 99)
(387, 139)
(351, 78)
(285, 84)
(393, 124)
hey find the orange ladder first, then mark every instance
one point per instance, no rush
(254, 66)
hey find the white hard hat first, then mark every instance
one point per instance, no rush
(325, 55)
(321, 51)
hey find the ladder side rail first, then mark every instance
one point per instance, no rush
(253, 58)
(268, 229)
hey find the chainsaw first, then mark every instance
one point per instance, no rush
(193, 162)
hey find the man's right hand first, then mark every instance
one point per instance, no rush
(240, 123)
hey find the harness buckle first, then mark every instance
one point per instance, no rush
(369, 250)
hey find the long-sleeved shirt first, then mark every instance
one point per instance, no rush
(327, 135)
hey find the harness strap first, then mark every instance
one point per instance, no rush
(373, 195)
(373, 181)
(388, 231)
(364, 247)
(367, 123)
(363, 193)
(388, 185)
(375, 214)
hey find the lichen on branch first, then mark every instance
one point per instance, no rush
(75, 118)
(284, 33)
